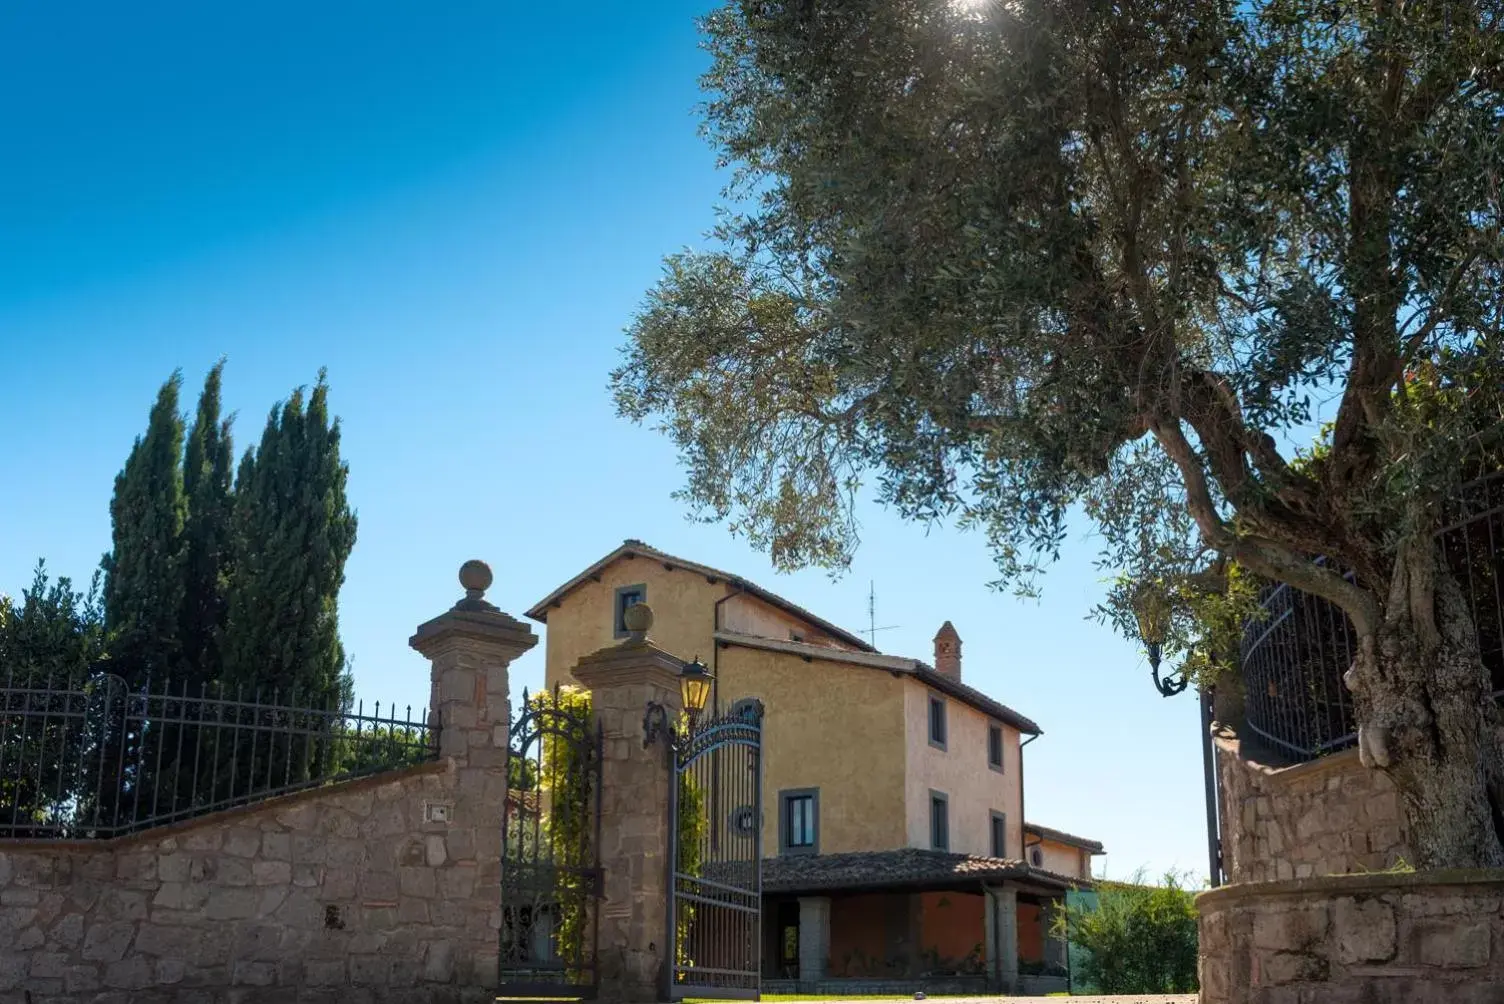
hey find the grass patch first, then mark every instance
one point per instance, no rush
(795, 998)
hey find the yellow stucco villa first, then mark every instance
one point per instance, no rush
(895, 846)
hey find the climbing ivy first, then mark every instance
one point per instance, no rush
(566, 801)
(693, 824)
(561, 781)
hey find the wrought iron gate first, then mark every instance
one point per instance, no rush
(715, 906)
(550, 857)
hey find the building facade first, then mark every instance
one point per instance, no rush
(895, 846)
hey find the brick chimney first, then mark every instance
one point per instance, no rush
(948, 651)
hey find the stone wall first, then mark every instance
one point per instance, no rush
(1326, 817)
(1355, 939)
(343, 893)
(386, 888)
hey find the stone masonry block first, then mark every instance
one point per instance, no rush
(106, 941)
(457, 684)
(232, 904)
(416, 882)
(1365, 930)
(68, 932)
(80, 979)
(1290, 967)
(379, 886)
(370, 970)
(243, 842)
(324, 972)
(272, 872)
(412, 911)
(133, 973)
(276, 846)
(124, 904)
(460, 844)
(1293, 929)
(254, 974)
(182, 942)
(173, 867)
(1450, 944)
(170, 971)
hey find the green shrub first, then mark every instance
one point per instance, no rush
(1138, 939)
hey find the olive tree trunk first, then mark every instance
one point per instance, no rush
(1427, 717)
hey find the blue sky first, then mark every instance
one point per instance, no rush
(455, 208)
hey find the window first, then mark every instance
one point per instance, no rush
(748, 708)
(626, 597)
(939, 821)
(799, 829)
(995, 747)
(937, 722)
(999, 835)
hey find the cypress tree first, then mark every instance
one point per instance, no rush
(143, 573)
(207, 469)
(292, 532)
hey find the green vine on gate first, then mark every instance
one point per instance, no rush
(693, 825)
(566, 802)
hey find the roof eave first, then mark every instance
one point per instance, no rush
(539, 610)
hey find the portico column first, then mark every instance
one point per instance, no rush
(1002, 937)
(814, 938)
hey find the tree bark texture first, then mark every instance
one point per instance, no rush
(1428, 718)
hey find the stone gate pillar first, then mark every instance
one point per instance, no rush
(632, 950)
(470, 647)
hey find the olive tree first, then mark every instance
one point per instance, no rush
(1005, 260)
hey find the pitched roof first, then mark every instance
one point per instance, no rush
(1061, 837)
(895, 664)
(637, 548)
(904, 868)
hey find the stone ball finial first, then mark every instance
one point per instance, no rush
(475, 576)
(638, 618)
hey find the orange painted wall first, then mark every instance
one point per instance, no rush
(952, 924)
(1030, 933)
(859, 933)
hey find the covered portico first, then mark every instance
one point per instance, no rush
(911, 919)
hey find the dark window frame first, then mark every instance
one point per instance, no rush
(786, 796)
(619, 608)
(938, 702)
(993, 819)
(741, 706)
(995, 731)
(939, 834)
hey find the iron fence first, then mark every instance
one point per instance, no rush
(1293, 657)
(97, 758)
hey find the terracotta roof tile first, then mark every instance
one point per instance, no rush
(909, 867)
(1061, 837)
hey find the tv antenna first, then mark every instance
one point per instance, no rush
(872, 628)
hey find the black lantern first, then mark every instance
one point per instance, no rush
(694, 691)
(694, 687)
(1151, 608)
